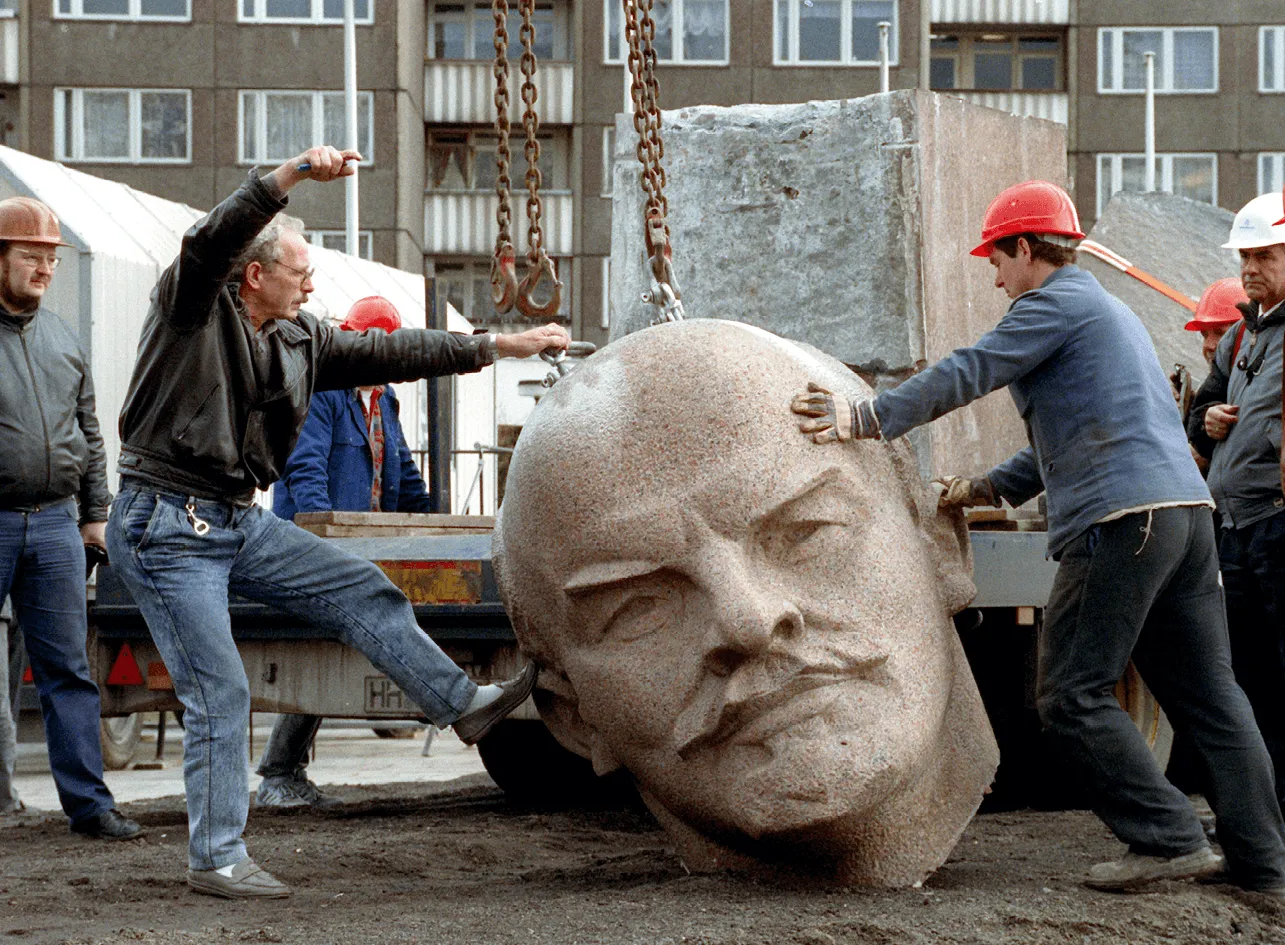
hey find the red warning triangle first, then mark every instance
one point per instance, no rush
(27, 677)
(124, 671)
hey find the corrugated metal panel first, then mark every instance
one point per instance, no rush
(459, 92)
(1049, 105)
(128, 237)
(9, 50)
(1023, 12)
(464, 223)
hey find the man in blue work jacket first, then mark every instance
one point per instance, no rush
(351, 456)
(1130, 521)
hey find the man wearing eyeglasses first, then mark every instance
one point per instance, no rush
(227, 365)
(1236, 420)
(53, 503)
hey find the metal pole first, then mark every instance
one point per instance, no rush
(884, 27)
(350, 116)
(925, 44)
(1149, 124)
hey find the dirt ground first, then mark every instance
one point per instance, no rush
(402, 864)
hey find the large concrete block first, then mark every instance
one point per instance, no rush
(1179, 242)
(845, 225)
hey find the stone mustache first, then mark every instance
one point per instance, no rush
(756, 627)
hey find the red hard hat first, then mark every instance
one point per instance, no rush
(372, 312)
(1217, 305)
(1035, 206)
(26, 220)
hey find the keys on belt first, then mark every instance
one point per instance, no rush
(199, 525)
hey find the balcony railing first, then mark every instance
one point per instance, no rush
(1006, 12)
(1049, 105)
(464, 223)
(462, 92)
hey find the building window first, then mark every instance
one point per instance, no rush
(1271, 172)
(338, 241)
(1271, 59)
(124, 126)
(997, 62)
(1186, 59)
(180, 10)
(275, 126)
(302, 11)
(1194, 176)
(467, 31)
(605, 323)
(833, 32)
(608, 161)
(466, 284)
(465, 161)
(694, 32)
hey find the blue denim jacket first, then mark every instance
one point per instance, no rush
(1104, 429)
(330, 468)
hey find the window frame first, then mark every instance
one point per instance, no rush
(1278, 88)
(1164, 75)
(65, 151)
(365, 241)
(604, 317)
(1164, 177)
(316, 18)
(562, 40)
(318, 122)
(134, 16)
(965, 64)
(607, 186)
(1266, 158)
(675, 60)
(478, 142)
(476, 270)
(845, 39)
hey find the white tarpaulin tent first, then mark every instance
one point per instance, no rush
(123, 238)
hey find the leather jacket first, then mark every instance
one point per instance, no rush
(214, 407)
(51, 447)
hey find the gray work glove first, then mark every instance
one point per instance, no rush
(960, 492)
(832, 419)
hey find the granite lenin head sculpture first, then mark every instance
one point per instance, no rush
(757, 627)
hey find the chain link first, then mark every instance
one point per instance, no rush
(503, 271)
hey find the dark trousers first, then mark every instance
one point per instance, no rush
(1253, 564)
(42, 567)
(1147, 586)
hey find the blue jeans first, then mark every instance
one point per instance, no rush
(180, 581)
(42, 567)
(1146, 586)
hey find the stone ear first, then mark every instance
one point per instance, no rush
(559, 707)
(947, 534)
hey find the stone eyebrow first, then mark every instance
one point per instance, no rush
(604, 574)
(827, 476)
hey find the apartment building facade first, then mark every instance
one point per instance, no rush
(181, 97)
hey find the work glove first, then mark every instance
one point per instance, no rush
(960, 492)
(831, 419)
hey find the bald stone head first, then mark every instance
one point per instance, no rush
(757, 627)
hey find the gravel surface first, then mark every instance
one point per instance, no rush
(457, 863)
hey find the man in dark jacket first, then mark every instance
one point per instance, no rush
(227, 365)
(1131, 524)
(53, 502)
(351, 456)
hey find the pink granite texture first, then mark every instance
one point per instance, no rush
(758, 628)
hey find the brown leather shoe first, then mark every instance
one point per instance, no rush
(473, 727)
(248, 881)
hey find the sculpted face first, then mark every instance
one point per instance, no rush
(757, 627)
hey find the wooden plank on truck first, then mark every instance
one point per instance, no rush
(402, 524)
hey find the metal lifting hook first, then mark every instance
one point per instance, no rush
(558, 359)
(504, 278)
(536, 274)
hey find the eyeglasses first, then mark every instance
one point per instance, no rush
(305, 275)
(34, 260)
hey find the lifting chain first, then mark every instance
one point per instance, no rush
(644, 91)
(504, 278)
(539, 265)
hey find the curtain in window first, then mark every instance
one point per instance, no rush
(106, 124)
(289, 120)
(1193, 59)
(866, 15)
(704, 30)
(163, 120)
(1137, 42)
(299, 9)
(819, 32)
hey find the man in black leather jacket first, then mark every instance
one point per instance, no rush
(53, 502)
(227, 364)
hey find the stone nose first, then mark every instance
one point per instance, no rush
(749, 615)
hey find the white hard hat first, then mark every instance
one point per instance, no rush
(1254, 225)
